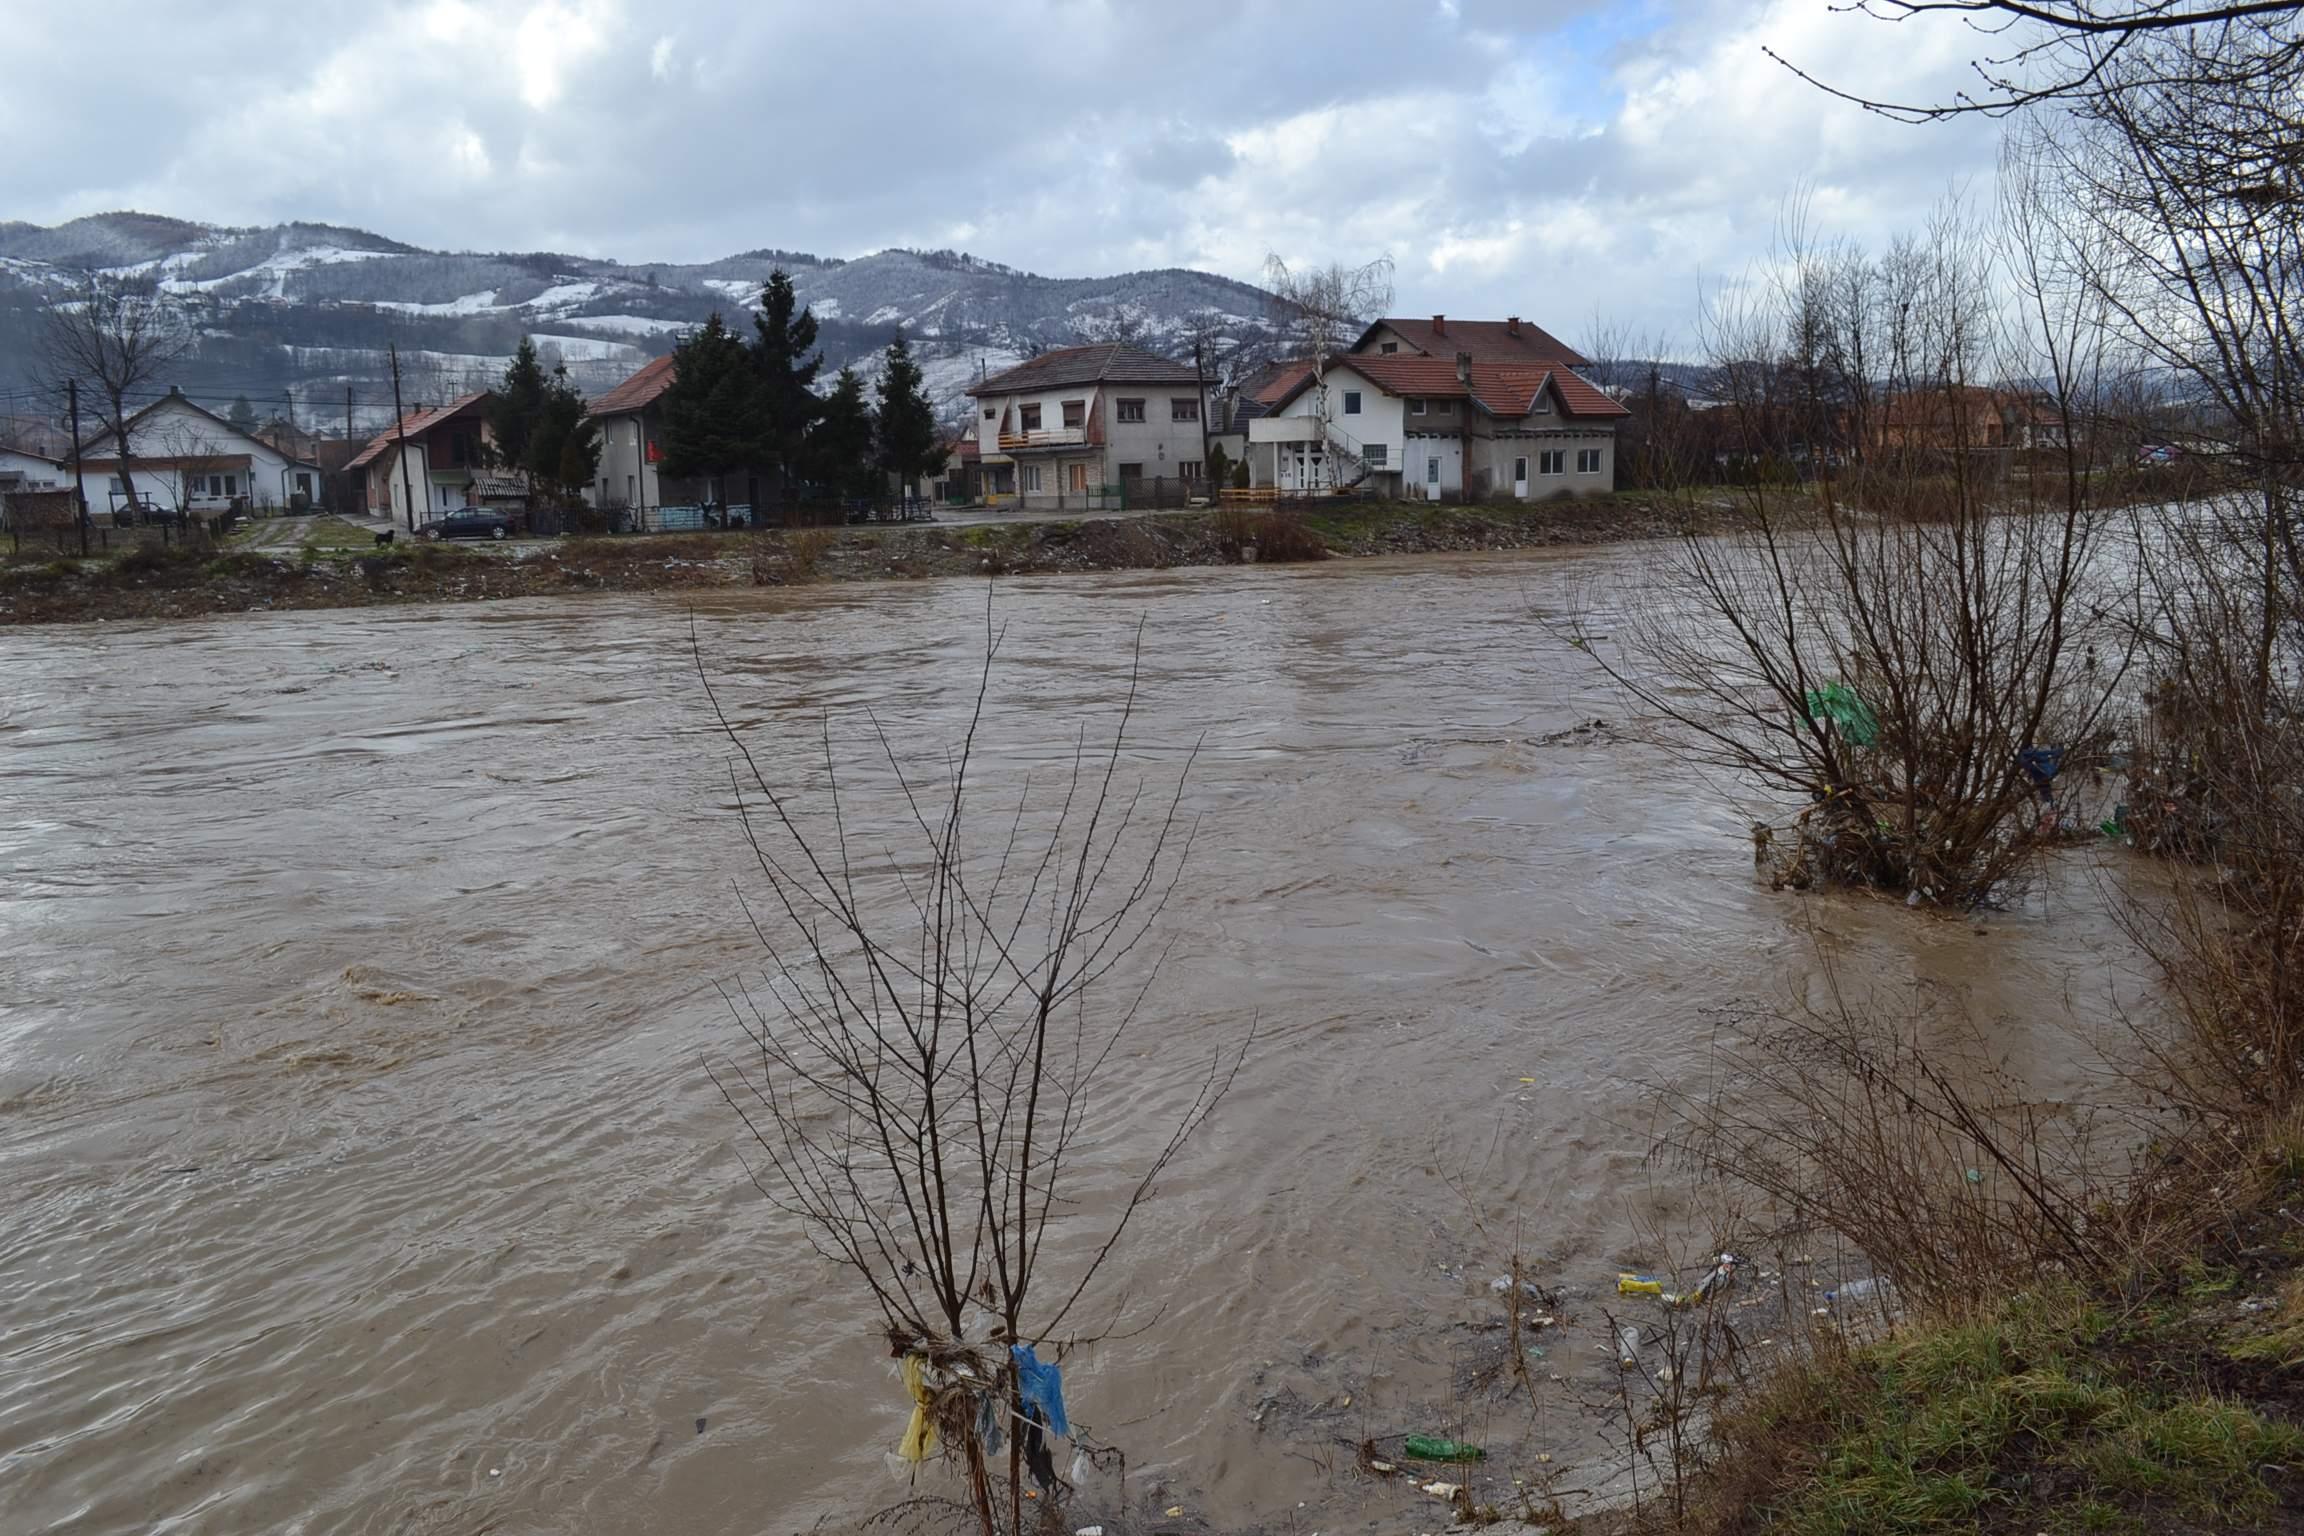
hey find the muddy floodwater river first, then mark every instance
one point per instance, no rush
(357, 971)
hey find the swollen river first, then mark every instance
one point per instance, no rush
(357, 971)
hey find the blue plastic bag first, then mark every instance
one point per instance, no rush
(1041, 1387)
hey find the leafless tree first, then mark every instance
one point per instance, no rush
(116, 337)
(1883, 664)
(2056, 51)
(928, 1066)
(1324, 309)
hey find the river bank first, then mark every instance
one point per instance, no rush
(185, 582)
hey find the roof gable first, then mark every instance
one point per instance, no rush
(1503, 390)
(415, 424)
(639, 391)
(1112, 362)
(1489, 341)
(176, 400)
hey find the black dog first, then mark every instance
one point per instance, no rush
(384, 538)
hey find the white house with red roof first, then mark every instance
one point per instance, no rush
(184, 458)
(1440, 409)
(630, 421)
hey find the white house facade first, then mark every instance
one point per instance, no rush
(185, 459)
(1398, 421)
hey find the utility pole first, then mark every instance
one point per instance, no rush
(344, 491)
(1200, 377)
(400, 431)
(79, 488)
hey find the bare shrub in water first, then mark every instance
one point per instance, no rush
(1883, 665)
(929, 1060)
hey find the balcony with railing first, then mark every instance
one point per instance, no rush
(1053, 437)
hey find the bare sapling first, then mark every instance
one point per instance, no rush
(934, 1059)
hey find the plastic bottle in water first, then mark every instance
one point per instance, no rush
(1858, 1290)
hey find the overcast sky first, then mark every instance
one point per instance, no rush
(1552, 158)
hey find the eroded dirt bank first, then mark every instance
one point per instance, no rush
(179, 583)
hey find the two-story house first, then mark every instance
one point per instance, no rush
(630, 421)
(429, 463)
(1069, 426)
(1505, 414)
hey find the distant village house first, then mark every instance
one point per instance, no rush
(1080, 423)
(187, 460)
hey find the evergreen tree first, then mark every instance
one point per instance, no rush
(712, 417)
(516, 404)
(563, 451)
(242, 414)
(783, 349)
(840, 447)
(910, 445)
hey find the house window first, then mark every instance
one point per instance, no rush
(1078, 478)
(1027, 418)
(1131, 471)
(1130, 410)
(1415, 407)
(1075, 413)
(1552, 461)
(1351, 402)
(1389, 346)
(1443, 407)
(1587, 461)
(1028, 476)
(1183, 410)
(991, 413)
(459, 452)
(1188, 468)
(1543, 405)
(1519, 471)
(1376, 455)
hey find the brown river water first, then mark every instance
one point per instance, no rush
(362, 1174)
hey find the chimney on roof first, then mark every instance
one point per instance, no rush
(1464, 369)
(1511, 325)
(1439, 325)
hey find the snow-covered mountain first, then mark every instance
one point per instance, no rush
(307, 310)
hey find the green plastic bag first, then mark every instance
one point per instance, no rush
(1838, 703)
(1433, 1448)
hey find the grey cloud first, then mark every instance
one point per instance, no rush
(1060, 135)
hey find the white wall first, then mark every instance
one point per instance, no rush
(629, 478)
(30, 472)
(176, 429)
(1380, 422)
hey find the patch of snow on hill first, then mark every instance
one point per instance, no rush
(470, 304)
(590, 349)
(630, 325)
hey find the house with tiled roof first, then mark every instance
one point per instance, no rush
(430, 462)
(630, 418)
(1069, 427)
(1513, 422)
(1510, 340)
(186, 460)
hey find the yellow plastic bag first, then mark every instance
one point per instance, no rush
(920, 1434)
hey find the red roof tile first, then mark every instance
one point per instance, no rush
(1501, 389)
(637, 391)
(1489, 341)
(415, 424)
(1111, 362)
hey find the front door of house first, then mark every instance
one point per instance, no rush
(1432, 478)
(1520, 477)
